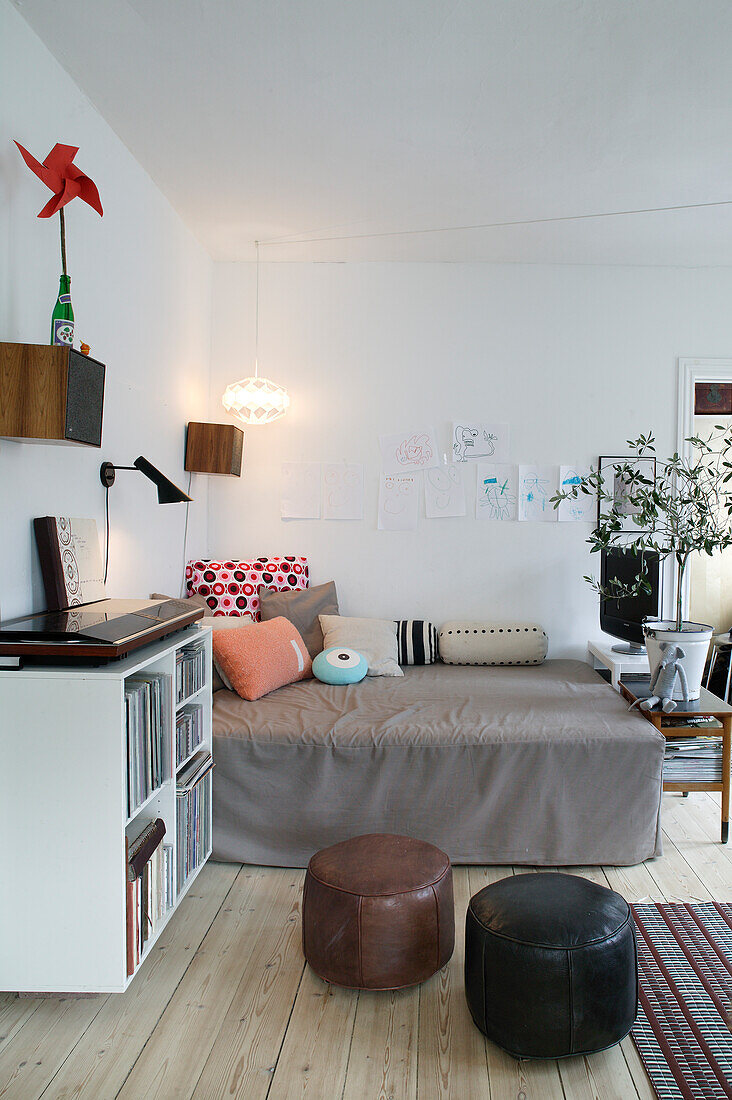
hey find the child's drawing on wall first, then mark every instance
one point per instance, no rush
(444, 492)
(475, 442)
(583, 507)
(496, 494)
(412, 450)
(537, 484)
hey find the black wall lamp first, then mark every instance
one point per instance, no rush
(168, 493)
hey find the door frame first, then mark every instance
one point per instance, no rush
(692, 371)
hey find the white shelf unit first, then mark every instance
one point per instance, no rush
(63, 817)
(601, 654)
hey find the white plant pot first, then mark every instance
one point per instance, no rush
(693, 638)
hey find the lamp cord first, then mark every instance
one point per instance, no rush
(185, 535)
(301, 238)
(106, 540)
(256, 319)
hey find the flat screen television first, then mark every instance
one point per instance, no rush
(623, 618)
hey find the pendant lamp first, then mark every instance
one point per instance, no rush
(256, 400)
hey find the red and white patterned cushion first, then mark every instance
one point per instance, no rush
(230, 587)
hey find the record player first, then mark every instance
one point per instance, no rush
(93, 632)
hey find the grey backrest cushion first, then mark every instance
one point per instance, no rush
(374, 639)
(302, 609)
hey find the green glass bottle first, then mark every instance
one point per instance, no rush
(62, 318)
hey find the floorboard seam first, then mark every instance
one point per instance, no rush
(630, 1072)
(710, 831)
(691, 870)
(350, 1044)
(7, 1040)
(284, 1033)
(61, 1066)
(233, 997)
(419, 1032)
(175, 989)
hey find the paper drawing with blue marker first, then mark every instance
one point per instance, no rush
(496, 491)
(537, 485)
(581, 509)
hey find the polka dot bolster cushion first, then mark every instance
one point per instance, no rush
(489, 643)
(231, 587)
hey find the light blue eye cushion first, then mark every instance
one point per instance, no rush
(338, 665)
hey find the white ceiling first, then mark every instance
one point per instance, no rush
(325, 118)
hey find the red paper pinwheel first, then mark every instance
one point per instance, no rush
(59, 172)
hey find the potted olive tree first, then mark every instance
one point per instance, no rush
(676, 508)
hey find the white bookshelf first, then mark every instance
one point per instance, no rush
(63, 817)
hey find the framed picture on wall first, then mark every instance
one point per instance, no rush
(610, 467)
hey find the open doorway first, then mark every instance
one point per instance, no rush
(705, 400)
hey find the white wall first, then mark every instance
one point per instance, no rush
(141, 293)
(576, 359)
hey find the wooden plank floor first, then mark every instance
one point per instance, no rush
(225, 1007)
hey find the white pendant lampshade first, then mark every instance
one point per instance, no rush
(255, 400)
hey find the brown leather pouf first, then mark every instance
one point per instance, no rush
(378, 912)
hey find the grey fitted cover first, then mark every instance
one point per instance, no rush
(540, 765)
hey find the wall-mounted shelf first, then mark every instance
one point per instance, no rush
(50, 394)
(214, 449)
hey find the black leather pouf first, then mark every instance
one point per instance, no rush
(550, 965)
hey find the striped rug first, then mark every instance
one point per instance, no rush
(683, 1031)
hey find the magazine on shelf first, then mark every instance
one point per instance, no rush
(194, 771)
(190, 670)
(696, 759)
(193, 820)
(189, 731)
(147, 718)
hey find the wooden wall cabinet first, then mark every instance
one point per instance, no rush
(50, 394)
(214, 449)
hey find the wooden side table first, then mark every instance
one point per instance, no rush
(706, 706)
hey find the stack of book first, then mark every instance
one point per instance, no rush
(146, 714)
(189, 727)
(150, 888)
(193, 792)
(696, 759)
(190, 670)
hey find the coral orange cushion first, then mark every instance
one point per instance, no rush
(259, 657)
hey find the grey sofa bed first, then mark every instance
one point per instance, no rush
(541, 765)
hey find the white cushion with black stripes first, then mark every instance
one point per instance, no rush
(416, 641)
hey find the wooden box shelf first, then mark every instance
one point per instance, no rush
(214, 449)
(50, 394)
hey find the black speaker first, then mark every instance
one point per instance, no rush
(84, 399)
